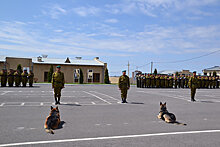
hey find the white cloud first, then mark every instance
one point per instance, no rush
(54, 11)
(85, 11)
(111, 20)
(58, 31)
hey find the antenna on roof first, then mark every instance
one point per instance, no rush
(44, 55)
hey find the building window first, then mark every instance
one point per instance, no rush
(45, 76)
(90, 75)
(96, 77)
(76, 75)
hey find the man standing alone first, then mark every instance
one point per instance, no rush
(124, 85)
(193, 83)
(57, 84)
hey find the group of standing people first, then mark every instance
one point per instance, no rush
(16, 78)
(182, 81)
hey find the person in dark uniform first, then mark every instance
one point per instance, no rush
(24, 78)
(4, 77)
(58, 84)
(138, 80)
(31, 78)
(193, 83)
(17, 78)
(11, 78)
(183, 81)
(217, 82)
(124, 86)
(148, 81)
(175, 82)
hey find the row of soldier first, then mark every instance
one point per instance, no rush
(166, 81)
(13, 77)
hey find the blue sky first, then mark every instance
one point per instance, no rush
(118, 31)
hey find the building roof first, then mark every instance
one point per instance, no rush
(2, 58)
(167, 72)
(94, 62)
(213, 68)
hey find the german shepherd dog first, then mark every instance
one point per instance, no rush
(53, 120)
(166, 116)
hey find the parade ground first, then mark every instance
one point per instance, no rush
(93, 116)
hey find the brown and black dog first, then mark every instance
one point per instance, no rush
(166, 116)
(53, 120)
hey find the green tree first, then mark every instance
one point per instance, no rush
(81, 76)
(50, 73)
(106, 79)
(155, 71)
(19, 68)
(214, 74)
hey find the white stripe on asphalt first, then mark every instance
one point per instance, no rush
(105, 95)
(22, 104)
(41, 104)
(2, 104)
(108, 138)
(97, 97)
(93, 103)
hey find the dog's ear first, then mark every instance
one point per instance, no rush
(165, 103)
(57, 107)
(51, 107)
(160, 103)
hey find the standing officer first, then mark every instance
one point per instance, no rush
(24, 78)
(166, 82)
(11, 78)
(175, 81)
(124, 85)
(193, 83)
(137, 80)
(31, 78)
(57, 84)
(3, 75)
(17, 78)
(148, 81)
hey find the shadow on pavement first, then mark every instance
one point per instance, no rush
(137, 103)
(71, 104)
(61, 124)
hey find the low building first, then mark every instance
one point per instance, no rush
(209, 71)
(93, 70)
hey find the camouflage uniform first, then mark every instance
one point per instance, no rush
(124, 85)
(166, 82)
(148, 81)
(175, 82)
(170, 82)
(24, 78)
(157, 79)
(162, 82)
(31, 78)
(193, 83)
(57, 84)
(11, 78)
(17, 78)
(3, 75)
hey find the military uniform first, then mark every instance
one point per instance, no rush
(162, 82)
(124, 85)
(57, 84)
(157, 79)
(193, 83)
(3, 75)
(17, 78)
(11, 78)
(166, 82)
(170, 82)
(24, 78)
(175, 82)
(31, 78)
(148, 81)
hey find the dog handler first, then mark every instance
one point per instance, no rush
(57, 84)
(193, 83)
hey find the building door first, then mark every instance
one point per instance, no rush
(45, 76)
(96, 77)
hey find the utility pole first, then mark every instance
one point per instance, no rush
(128, 69)
(151, 67)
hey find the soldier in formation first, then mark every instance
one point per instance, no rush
(124, 86)
(31, 78)
(179, 81)
(57, 84)
(11, 78)
(24, 78)
(3, 75)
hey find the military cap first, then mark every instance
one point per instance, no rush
(194, 72)
(124, 71)
(58, 66)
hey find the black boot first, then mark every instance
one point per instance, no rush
(58, 100)
(55, 100)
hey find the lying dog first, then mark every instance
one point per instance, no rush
(166, 116)
(53, 120)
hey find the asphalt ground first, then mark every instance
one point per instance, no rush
(92, 116)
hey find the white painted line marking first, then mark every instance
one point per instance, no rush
(93, 103)
(125, 123)
(108, 138)
(97, 124)
(2, 104)
(108, 124)
(41, 104)
(105, 95)
(5, 92)
(20, 128)
(76, 103)
(97, 97)
(22, 104)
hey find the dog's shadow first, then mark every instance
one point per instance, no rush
(61, 124)
(136, 103)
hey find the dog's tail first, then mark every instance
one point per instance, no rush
(178, 123)
(49, 130)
